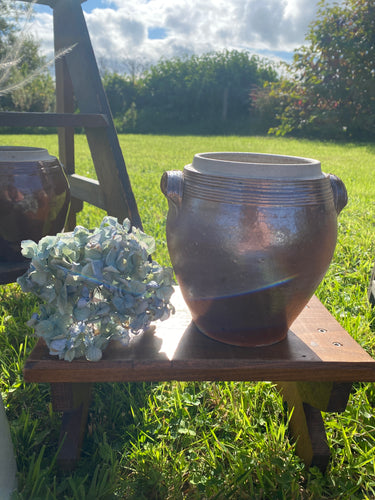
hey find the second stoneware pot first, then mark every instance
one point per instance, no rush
(250, 237)
(34, 198)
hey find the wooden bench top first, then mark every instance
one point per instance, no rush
(317, 348)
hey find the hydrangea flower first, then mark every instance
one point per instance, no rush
(95, 286)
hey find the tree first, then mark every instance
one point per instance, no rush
(212, 90)
(7, 28)
(7, 42)
(210, 93)
(332, 88)
(25, 83)
(122, 93)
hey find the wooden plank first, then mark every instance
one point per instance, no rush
(51, 3)
(74, 401)
(317, 348)
(305, 401)
(86, 189)
(326, 396)
(44, 2)
(70, 30)
(33, 119)
(65, 104)
(307, 429)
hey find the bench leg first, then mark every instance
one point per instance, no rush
(73, 399)
(307, 400)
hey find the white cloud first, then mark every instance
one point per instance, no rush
(42, 29)
(112, 32)
(120, 29)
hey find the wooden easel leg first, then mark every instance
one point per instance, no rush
(73, 399)
(65, 104)
(70, 30)
(306, 400)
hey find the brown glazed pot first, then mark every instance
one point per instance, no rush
(34, 198)
(250, 237)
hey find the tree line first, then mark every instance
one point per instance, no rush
(209, 93)
(327, 91)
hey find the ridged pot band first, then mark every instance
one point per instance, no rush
(260, 192)
(253, 191)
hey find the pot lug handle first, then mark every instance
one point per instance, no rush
(340, 194)
(172, 184)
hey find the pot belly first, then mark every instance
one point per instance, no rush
(32, 205)
(246, 272)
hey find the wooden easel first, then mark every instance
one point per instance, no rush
(313, 368)
(77, 77)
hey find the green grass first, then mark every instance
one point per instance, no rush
(200, 440)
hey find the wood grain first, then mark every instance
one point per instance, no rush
(307, 429)
(51, 3)
(74, 401)
(86, 189)
(65, 104)
(317, 348)
(34, 119)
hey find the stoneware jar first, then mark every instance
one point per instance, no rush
(34, 198)
(250, 237)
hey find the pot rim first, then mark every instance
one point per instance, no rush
(24, 154)
(255, 165)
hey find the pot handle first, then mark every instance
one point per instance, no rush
(340, 194)
(172, 184)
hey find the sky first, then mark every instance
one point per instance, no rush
(143, 31)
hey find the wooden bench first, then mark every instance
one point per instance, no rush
(313, 368)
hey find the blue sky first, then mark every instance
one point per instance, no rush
(143, 31)
(88, 6)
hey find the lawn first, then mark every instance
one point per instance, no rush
(200, 440)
